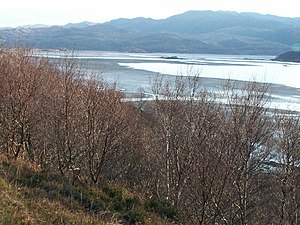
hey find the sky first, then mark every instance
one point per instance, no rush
(58, 12)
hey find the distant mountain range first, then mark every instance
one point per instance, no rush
(191, 32)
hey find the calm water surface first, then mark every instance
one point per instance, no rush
(134, 71)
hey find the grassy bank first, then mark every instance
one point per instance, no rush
(31, 196)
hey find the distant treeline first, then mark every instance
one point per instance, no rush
(233, 162)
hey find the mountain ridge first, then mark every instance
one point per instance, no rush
(221, 32)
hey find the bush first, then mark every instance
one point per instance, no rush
(163, 207)
(135, 216)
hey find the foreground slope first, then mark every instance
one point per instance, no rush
(31, 196)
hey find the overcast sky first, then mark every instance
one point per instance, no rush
(58, 12)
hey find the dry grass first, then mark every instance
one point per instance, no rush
(27, 196)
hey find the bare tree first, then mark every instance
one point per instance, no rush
(20, 88)
(250, 129)
(65, 115)
(287, 143)
(105, 128)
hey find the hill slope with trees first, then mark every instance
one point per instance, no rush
(186, 157)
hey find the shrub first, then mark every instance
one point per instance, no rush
(135, 216)
(163, 207)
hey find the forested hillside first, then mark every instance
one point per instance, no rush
(190, 157)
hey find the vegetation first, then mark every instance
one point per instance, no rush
(31, 196)
(73, 144)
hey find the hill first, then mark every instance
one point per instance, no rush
(291, 56)
(190, 32)
(72, 151)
